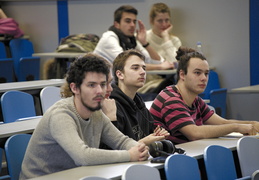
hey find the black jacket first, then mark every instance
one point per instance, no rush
(133, 118)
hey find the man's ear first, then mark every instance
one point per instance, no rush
(73, 88)
(182, 75)
(116, 24)
(119, 74)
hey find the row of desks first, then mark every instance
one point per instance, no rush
(113, 171)
(30, 85)
(243, 103)
(60, 56)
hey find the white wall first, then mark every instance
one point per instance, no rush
(221, 25)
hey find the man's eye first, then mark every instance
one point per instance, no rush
(91, 85)
(129, 21)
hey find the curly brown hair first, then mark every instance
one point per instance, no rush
(78, 69)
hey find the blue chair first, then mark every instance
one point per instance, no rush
(26, 67)
(219, 163)
(6, 66)
(181, 167)
(2, 51)
(1, 155)
(15, 148)
(17, 105)
(6, 70)
(218, 100)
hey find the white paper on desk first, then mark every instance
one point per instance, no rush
(238, 135)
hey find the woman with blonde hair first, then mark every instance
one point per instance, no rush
(161, 39)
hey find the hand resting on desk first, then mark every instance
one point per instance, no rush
(139, 152)
(239, 135)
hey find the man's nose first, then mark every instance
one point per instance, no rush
(204, 77)
(99, 89)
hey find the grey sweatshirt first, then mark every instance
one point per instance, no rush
(63, 140)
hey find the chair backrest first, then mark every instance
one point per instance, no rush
(16, 105)
(140, 171)
(6, 66)
(21, 51)
(48, 96)
(6, 70)
(247, 150)
(20, 48)
(218, 99)
(2, 51)
(181, 167)
(1, 156)
(255, 175)
(93, 178)
(219, 163)
(29, 69)
(15, 148)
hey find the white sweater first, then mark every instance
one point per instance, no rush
(109, 48)
(167, 49)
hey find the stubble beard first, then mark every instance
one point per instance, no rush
(92, 109)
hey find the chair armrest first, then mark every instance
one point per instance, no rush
(28, 118)
(245, 178)
(30, 58)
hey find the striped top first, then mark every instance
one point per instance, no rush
(169, 109)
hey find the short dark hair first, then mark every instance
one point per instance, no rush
(183, 56)
(78, 69)
(120, 61)
(122, 9)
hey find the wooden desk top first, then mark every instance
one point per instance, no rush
(19, 127)
(196, 148)
(247, 89)
(165, 72)
(110, 171)
(59, 54)
(162, 72)
(30, 85)
(114, 171)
